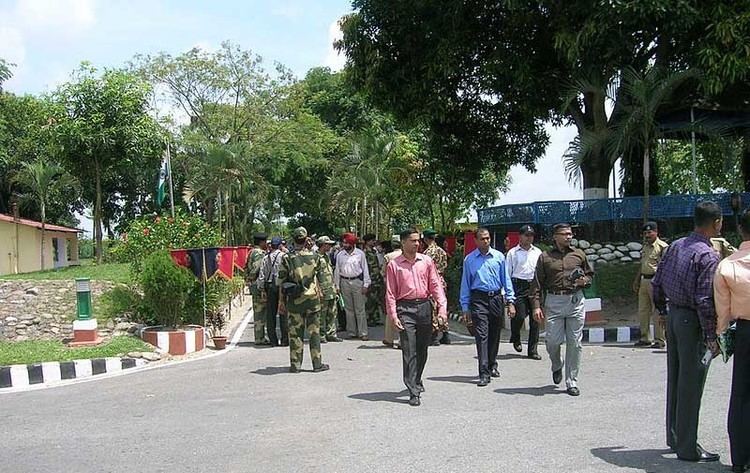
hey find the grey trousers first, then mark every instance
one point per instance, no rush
(686, 376)
(565, 317)
(354, 304)
(416, 317)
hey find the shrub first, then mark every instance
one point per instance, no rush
(147, 235)
(165, 288)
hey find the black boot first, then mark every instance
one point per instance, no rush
(445, 340)
(435, 339)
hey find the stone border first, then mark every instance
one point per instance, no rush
(594, 335)
(18, 376)
(175, 342)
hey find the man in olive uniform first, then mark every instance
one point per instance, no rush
(722, 247)
(299, 278)
(651, 254)
(252, 268)
(329, 311)
(376, 294)
(440, 257)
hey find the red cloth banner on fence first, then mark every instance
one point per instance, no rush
(240, 257)
(180, 257)
(225, 262)
(470, 242)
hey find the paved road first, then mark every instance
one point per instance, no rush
(243, 412)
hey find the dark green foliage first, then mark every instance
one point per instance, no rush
(165, 288)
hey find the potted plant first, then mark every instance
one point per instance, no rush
(217, 321)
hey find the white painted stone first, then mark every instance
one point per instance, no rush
(626, 259)
(609, 256)
(634, 246)
(584, 245)
(623, 334)
(602, 262)
(113, 364)
(150, 356)
(603, 251)
(610, 246)
(83, 368)
(623, 248)
(574, 243)
(590, 251)
(51, 371)
(592, 257)
(618, 253)
(596, 335)
(635, 254)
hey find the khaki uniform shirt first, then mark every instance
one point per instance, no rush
(651, 255)
(722, 247)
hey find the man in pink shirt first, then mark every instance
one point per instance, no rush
(410, 280)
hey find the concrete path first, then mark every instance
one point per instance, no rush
(244, 412)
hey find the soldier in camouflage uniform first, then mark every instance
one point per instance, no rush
(722, 247)
(329, 311)
(376, 293)
(299, 278)
(252, 268)
(440, 257)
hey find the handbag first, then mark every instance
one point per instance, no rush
(726, 342)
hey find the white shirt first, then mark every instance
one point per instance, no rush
(522, 263)
(351, 265)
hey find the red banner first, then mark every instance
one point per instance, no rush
(240, 257)
(225, 262)
(180, 257)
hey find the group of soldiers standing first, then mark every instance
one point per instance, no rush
(318, 285)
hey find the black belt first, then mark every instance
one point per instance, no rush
(487, 293)
(360, 276)
(411, 301)
(562, 293)
(515, 280)
(647, 276)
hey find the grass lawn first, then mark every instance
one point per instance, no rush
(37, 351)
(116, 272)
(616, 280)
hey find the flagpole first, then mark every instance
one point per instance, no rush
(169, 176)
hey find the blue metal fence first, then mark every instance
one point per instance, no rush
(598, 210)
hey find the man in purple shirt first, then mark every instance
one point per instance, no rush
(683, 293)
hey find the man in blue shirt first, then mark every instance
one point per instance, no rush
(485, 279)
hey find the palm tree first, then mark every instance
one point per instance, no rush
(42, 178)
(644, 95)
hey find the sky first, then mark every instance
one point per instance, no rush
(48, 39)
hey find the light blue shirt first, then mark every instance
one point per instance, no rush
(485, 273)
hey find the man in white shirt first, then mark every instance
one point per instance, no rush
(522, 260)
(352, 278)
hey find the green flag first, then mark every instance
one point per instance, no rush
(161, 188)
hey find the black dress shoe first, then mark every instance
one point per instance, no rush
(573, 391)
(420, 387)
(322, 367)
(334, 339)
(483, 382)
(294, 369)
(445, 339)
(518, 347)
(414, 401)
(495, 373)
(535, 356)
(703, 456)
(557, 376)
(323, 340)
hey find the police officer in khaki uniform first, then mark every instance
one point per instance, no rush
(651, 254)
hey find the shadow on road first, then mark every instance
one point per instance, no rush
(374, 347)
(253, 345)
(513, 356)
(456, 379)
(271, 370)
(533, 391)
(383, 396)
(651, 461)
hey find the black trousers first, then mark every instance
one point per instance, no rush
(416, 317)
(272, 309)
(739, 402)
(487, 316)
(686, 376)
(524, 310)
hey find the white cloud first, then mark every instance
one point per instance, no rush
(61, 15)
(334, 59)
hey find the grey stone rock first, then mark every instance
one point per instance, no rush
(634, 246)
(618, 253)
(609, 256)
(33, 291)
(603, 251)
(602, 262)
(597, 246)
(590, 251)
(134, 354)
(623, 248)
(574, 243)
(11, 320)
(610, 246)
(626, 259)
(584, 245)
(150, 356)
(635, 254)
(22, 338)
(592, 257)
(110, 324)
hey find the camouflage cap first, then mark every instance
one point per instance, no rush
(299, 233)
(324, 240)
(429, 233)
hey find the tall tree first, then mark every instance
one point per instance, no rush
(106, 131)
